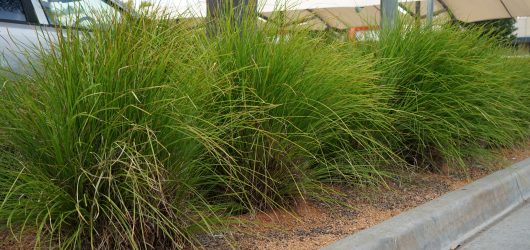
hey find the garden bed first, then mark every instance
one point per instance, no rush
(312, 225)
(150, 134)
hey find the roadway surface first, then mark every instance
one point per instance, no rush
(510, 233)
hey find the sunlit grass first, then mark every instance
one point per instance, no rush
(85, 162)
(143, 133)
(138, 134)
(451, 92)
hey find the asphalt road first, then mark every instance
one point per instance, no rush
(510, 233)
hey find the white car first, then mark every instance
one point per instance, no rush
(26, 23)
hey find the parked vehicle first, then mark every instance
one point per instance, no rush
(25, 23)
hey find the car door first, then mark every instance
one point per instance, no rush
(28, 24)
(21, 27)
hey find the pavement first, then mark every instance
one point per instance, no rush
(510, 233)
(490, 213)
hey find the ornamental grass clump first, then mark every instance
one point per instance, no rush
(144, 132)
(309, 113)
(519, 65)
(450, 92)
(139, 133)
(83, 162)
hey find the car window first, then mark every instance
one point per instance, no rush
(12, 10)
(79, 13)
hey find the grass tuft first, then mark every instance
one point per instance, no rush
(450, 92)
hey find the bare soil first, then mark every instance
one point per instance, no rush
(15, 241)
(312, 225)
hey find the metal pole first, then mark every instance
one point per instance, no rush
(233, 11)
(430, 12)
(214, 11)
(389, 10)
(417, 13)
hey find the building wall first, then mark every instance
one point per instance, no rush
(523, 27)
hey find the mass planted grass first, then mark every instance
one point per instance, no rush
(520, 83)
(86, 155)
(452, 92)
(320, 119)
(145, 132)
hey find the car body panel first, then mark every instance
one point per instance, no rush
(20, 39)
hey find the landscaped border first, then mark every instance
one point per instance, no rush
(446, 222)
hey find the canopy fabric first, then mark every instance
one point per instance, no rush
(197, 8)
(343, 18)
(462, 10)
(344, 14)
(338, 18)
(410, 7)
(479, 10)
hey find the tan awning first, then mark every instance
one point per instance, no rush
(337, 18)
(344, 14)
(342, 18)
(411, 7)
(462, 10)
(477, 10)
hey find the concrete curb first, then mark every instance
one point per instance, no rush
(446, 222)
